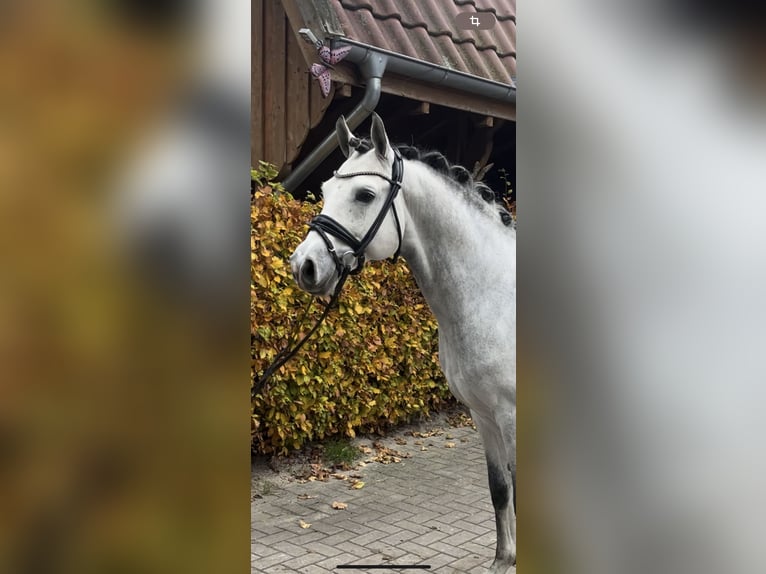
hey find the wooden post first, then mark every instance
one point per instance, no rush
(342, 91)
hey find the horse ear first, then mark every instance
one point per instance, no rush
(344, 135)
(378, 136)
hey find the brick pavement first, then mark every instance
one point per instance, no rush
(433, 508)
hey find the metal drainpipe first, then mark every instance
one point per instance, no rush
(431, 73)
(372, 68)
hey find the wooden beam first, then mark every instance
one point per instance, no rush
(318, 103)
(297, 101)
(256, 85)
(486, 122)
(274, 82)
(342, 91)
(344, 73)
(421, 109)
(442, 96)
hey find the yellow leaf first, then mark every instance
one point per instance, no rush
(357, 485)
(339, 505)
(358, 308)
(304, 524)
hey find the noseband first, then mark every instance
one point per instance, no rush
(351, 262)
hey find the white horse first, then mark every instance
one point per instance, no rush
(461, 248)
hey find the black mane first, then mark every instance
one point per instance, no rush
(476, 191)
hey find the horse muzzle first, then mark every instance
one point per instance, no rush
(314, 274)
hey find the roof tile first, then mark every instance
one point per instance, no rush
(426, 30)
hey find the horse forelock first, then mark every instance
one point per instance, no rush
(476, 193)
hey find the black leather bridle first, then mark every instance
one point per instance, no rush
(349, 263)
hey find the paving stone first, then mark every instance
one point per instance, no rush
(433, 508)
(302, 561)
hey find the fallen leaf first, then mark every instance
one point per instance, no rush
(400, 440)
(387, 455)
(418, 442)
(463, 439)
(339, 505)
(357, 485)
(423, 448)
(304, 524)
(339, 476)
(450, 445)
(427, 434)
(306, 496)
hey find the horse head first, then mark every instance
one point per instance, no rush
(361, 217)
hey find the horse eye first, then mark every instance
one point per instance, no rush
(364, 196)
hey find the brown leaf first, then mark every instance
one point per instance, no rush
(339, 505)
(450, 445)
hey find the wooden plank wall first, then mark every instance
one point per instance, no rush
(286, 101)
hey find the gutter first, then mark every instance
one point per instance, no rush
(372, 69)
(428, 72)
(372, 63)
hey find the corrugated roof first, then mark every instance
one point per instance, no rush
(426, 30)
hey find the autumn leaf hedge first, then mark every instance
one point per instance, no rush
(373, 362)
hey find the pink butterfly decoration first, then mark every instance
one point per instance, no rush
(322, 71)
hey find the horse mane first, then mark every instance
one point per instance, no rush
(476, 193)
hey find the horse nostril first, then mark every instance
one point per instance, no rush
(308, 272)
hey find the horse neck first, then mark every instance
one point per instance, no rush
(454, 253)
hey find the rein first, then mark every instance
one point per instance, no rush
(324, 225)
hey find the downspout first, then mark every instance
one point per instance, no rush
(372, 68)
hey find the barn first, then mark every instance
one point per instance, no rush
(437, 83)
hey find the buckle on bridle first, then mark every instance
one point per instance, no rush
(350, 261)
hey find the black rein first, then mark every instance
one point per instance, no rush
(345, 266)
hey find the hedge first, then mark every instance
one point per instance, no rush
(373, 362)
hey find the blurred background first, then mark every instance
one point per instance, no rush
(124, 162)
(124, 150)
(642, 156)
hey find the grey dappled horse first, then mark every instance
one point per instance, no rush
(461, 247)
